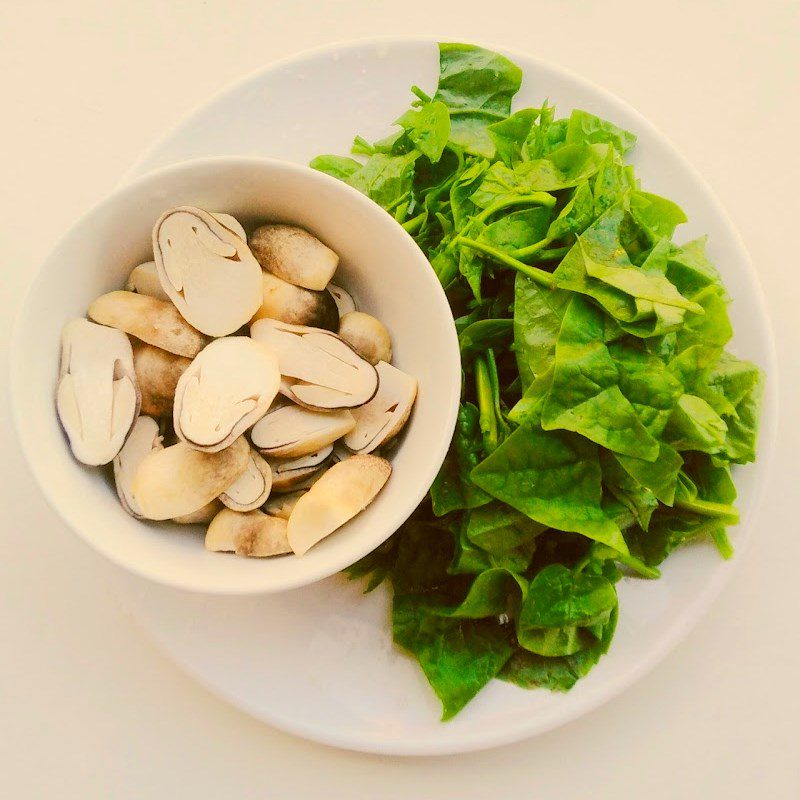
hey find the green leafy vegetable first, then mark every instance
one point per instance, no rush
(600, 412)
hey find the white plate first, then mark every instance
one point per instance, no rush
(319, 661)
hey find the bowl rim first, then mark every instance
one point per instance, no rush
(680, 628)
(26, 441)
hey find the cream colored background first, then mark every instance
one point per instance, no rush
(88, 708)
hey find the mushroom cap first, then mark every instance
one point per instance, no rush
(207, 270)
(251, 489)
(157, 373)
(231, 223)
(97, 398)
(225, 390)
(367, 336)
(325, 372)
(294, 254)
(293, 304)
(142, 440)
(144, 280)
(292, 431)
(281, 505)
(384, 416)
(179, 480)
(289, 474)
(154, 321)
(344, 300)
(252, 534)
(342, 492)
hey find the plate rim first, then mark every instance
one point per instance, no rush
(677, 631)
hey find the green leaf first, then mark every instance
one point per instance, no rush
(459, 657)
(428, 128)
(586, 128)
(538, 314)
(385, 179)
(510, 135)
(477, 86)
(453, 488)
(659, 476)
(585, 394)
(484, 333)
(563, 611)
(576, 215)
(339, 167)
(694, 425)
(689, 268)
(636, 497)
(554, 478)
(495, 591)
(657, 215)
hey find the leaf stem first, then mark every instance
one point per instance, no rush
(487, 419)
(417, 92)
(542, 277)
(554, 254)
(533, 249)
(535, 198)
(415, 223)
(708, 509)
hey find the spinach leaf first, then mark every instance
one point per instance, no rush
(694, 425)
(636, 497)
(458, 657)
(385, 179)
(564, 611)
(586, 128)
(477, 86)
(453, 488)
(657, 215)
(585, 394)
(428, 128)
(338, 166)
(484, 333)
(510, 135)
(554, 478)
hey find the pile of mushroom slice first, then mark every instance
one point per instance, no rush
(232, 385)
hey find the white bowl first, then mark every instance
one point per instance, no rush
(380, 264)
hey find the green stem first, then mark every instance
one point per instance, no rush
(415, 223)
(536, 198)
(722, 542)
(415, 90)
(708, 509)
(553, 254)
(533, 249)
(486, 418)
(541, 277)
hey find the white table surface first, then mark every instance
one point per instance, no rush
(88, 707)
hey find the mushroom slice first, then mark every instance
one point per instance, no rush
(251, 489)
(227, 388)
(294, 254)
(144, 280)
(344, 300)
(292, 473)
(179, 480)
(207, 270)
(326, 372)
(289, 303)
(97, 399)
(291, 431)
(231, 223)
(202, 516)
(383, 417)
(142, 440)
(253, 534)
(367, 336)
(157, 373)
(345, 489)
(154, 321)
(281, 505)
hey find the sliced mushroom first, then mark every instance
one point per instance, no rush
(367, 336)
(97, 397)
(144, 280)
(179, 480)
(281, 505)
(251, 489)
(289, 303)
(143, 439)
(383, 417)
(157, 373)
(342, 492)
(207, 270)
(154, 321)
(292, 431)
(231, 223)
(253, 534)
(202, 516)
(292, 473)
(227, 388)
(325, 372)
(344, 300)
(295, 255)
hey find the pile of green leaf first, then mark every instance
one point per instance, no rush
(600, 413)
